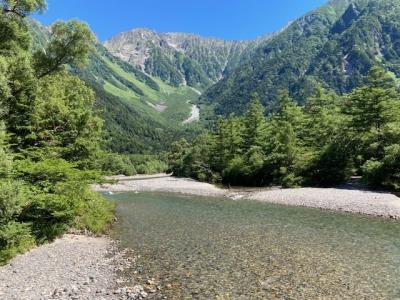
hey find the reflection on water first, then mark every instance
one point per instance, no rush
(206, 248)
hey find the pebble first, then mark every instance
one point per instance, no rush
(73, 267)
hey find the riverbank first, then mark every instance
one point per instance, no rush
(72, 267)
(160, 184)
(339, 199)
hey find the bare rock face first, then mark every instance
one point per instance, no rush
(133, 46)
(180, 58)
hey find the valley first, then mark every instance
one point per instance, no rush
(263, 163)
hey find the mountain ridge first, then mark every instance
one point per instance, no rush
(333, 46)
(180, 58)
(322, 47)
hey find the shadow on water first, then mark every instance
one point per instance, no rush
(206, 248)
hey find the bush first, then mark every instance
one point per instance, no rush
(95, 213)
(290, 180)
(328, 168)
(15, 238)
(386, 172)
(14, 196)
(149, 164)
(61, 198)
(118, 164)
(115, 164)
(233, 173)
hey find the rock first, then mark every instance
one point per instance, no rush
(151, 282)
(57, 292)
(79, 267)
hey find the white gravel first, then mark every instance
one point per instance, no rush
(194, 115)
(355, 201)
(165, 184)
(72, 267)
(339, 199)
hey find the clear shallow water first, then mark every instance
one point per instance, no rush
(206, 248)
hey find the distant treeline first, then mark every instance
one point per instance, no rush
(322, 143)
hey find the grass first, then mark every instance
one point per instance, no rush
(177, 99)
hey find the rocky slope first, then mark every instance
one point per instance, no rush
(180, 58)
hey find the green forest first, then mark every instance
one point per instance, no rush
(335, 45)
(50, 134)
(322, 143)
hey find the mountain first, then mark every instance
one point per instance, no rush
(146, 81)
(334, 45)
(142, 113)
(180, 58)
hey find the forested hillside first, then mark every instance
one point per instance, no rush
(145, 90)
(335, 46)
(142, 114)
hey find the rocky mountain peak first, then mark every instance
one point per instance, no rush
(178, 58)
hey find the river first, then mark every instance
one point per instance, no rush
(208, 248)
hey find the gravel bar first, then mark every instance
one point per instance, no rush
(340, 199)
(72, 267)
(165, 184)
(347, 200)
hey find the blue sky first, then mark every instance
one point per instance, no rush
(228, 19)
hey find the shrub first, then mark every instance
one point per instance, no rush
(62, 198)
(14, 196)
(95, 213)
(115, 164)
(149, 164)
(386, 172)
(330, 167)
(15, 238)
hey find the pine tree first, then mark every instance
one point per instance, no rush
(371, 109)
(229, 139)
(255, 124)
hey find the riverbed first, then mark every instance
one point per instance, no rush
(215, 248)
(347, 199)
(194, 115)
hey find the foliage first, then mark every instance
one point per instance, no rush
(64, 122)
(15, 238)
(49, 134)
(148, 164)
(131, 164)
(70, 43)
(60, 198)
(117, 164)
(322, 143)
(22, 8)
